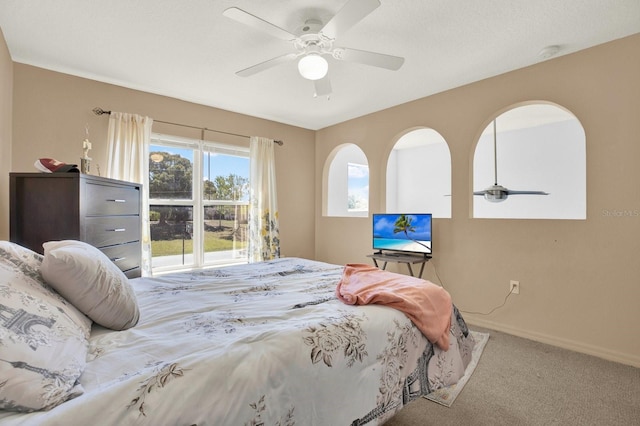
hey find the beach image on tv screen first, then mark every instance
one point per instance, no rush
(402, 232)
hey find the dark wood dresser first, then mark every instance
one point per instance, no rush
(73, 206)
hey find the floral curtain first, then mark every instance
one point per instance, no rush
(129, 137)
(264, 230)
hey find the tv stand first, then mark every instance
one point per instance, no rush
(409, 259)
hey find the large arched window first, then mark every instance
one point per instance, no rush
(346, 182)
(419, 174)
(537, 148)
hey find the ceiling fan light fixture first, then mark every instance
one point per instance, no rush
(313, 66)
(156, 157)
(495, 195)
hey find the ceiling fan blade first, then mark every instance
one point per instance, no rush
(266, 65)
(253, 21)
(511, 192)
(322, 87)
(350, 14)
(369, 58)
(498, 194)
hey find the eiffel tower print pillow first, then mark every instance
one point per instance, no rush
(43, 337)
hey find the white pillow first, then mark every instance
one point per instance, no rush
(43, 338)
(94, 284)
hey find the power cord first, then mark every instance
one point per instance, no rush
(474, 312)
(491, 311)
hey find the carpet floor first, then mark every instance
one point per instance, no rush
(522, 382)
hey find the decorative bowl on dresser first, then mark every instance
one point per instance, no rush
(73, 206)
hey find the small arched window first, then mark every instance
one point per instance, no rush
(534, 167)
(419, 174)
(346, 182)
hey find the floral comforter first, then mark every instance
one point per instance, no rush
(258, 344)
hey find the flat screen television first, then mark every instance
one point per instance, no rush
(402, 232)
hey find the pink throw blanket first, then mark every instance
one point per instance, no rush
(426, 304)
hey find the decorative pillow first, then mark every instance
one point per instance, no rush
(94, 284)
(43, 338)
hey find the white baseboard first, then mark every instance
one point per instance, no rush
(628, 359)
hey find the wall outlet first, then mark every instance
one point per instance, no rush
(514, 287)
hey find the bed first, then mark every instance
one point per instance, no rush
(267, 343)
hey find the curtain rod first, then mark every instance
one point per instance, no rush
(100, 111)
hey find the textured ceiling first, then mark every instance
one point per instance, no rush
(190, 51)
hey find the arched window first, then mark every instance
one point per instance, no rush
(537, 148)
(346, 182)
(419, 174)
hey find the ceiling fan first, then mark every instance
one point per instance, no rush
(314, 41)
(498, 193)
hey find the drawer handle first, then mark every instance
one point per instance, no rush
(118, 259)
(118, 201)
(117, 230)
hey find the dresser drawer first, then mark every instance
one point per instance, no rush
(105, 200)
(108, 231)
(133, 273)
(125, 256)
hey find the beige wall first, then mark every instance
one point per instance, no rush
(50, 111)
(580, 280)
(6, 102)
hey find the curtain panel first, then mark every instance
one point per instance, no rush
(264, 229)
(129, 137)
